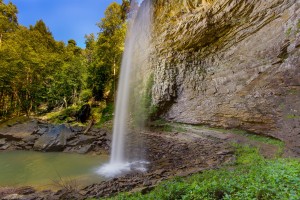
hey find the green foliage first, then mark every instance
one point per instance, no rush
(288, 31)
(85, 95)
(293, 91)
(12, 121)
(107, 113)
(162, 125)
(142, 108)
(36, 69)
(8, 18)
(96, 113)
(252, 177)
(264, 139)
(105, 54)
(63, 115)
(292, 116)
(246, 155)
(125, 9)
(252, 136)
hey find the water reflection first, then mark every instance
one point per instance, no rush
(41, 170)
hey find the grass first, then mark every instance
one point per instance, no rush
(252, 177)
(162, 125)
(62, 115)
(107, 113)
(292, 116)
(260, 138)
(288, 31)
(69, 185)
(171, 127)
(293, 91)
(101, 114)
(298, 26)
(12, 121)
(104, 115)
(165, 126)
(252, 136)
(143, 108)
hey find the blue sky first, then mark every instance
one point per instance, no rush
(66, 19)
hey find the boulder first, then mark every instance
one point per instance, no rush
(82, 140)
(84, 113)
(55, 139)
(19, 131)
(2, 142)
(85, 149)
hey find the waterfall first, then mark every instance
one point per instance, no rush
(135, 55)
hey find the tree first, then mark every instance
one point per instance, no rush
(108, 52)
(36, 69)
(8, 19)
(125, 9)
(90, 45)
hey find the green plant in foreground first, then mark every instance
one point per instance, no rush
(252, 177)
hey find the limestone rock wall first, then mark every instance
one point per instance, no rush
(229, 63)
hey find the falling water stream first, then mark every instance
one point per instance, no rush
(136, 52)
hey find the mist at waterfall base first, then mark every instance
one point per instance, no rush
(134, 57)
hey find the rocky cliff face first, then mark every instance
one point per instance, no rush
(229, 63)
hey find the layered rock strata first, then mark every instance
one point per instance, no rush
(229, 63)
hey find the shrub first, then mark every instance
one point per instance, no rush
(85, 95)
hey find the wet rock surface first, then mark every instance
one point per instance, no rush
(53, 138)
(41, 136)
(169, 154)
(84, 113)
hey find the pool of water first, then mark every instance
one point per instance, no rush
(49, 170)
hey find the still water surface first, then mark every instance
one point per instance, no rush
(43, 170)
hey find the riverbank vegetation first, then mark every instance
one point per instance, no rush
(250, 177)
(255, 172)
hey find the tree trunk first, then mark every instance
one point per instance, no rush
(65, 102)
(1, 35)
(92, 122)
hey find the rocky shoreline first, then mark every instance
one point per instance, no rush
(41, 136)
(170, 154)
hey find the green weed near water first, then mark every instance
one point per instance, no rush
(252, 177)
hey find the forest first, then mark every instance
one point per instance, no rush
(40, 74)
